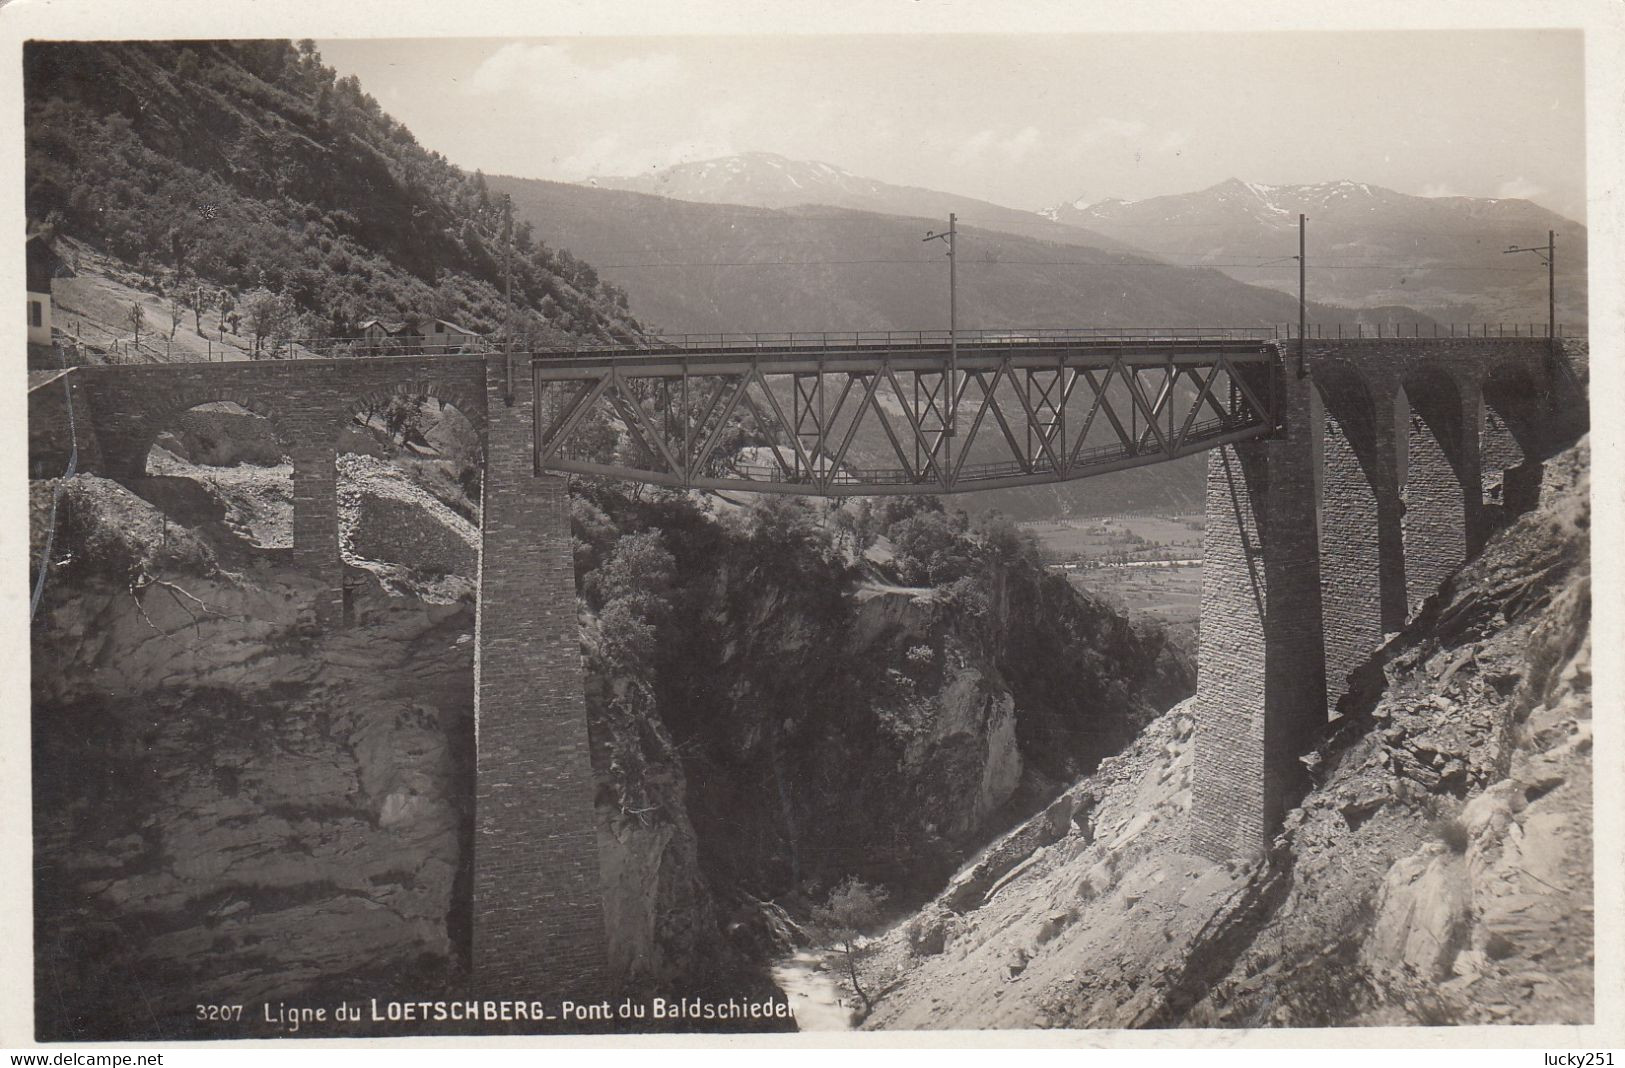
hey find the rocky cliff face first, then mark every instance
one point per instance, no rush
(1439, 871)
(226, 801)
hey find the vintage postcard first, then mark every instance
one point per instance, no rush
(551, 524)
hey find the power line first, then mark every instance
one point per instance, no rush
(1001, 262)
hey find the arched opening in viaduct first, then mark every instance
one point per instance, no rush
(1517, 436)
(217, 460)
(408, 481)
(1440, 477)
(1357, 510)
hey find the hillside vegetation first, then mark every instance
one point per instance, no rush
(251, 167)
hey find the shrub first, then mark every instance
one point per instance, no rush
(1452, 832)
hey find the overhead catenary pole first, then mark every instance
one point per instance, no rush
(1551, 287)
(949, 416)
(1548, 253)
(507, 286)
(1302, 313)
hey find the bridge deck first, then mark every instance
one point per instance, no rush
(841, 356)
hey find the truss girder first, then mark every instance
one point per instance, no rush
(891, 422)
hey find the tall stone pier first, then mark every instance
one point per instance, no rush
(1261, 683)
(538, 925)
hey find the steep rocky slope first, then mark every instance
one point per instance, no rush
(1439, 871)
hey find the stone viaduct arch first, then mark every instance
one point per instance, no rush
(308, 403)
(1319, 538)
(1362, 555)
(1389, 437)
(1442, 479)
(167, 414)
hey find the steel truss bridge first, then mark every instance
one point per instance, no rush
(849, 414)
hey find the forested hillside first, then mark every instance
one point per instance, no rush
(245, 166)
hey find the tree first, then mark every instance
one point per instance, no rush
(931, 547)
(403, 419)
(267, 316)
(853, 909)
(135, 318)
(639, 571)
(227, 306)
(177, 312)
(196, 298)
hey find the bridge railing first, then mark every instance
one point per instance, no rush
(880, 339)
(321, 348)
(1357, 331)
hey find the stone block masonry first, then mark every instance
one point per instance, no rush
(1362, 578)
(1261, 685)
(538, 912)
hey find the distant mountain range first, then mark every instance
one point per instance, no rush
(767, 180)
(692, 267)
(1369, 248)
(1366, 245)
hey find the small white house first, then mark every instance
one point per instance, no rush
(444, 336)
(377, 332)
(438, 336)
(43, 265)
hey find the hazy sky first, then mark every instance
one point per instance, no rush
(1027, 121)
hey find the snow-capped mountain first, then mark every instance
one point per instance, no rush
(768, 180)
(1442, 255)
(761, 179)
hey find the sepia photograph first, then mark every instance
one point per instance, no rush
(858, 528)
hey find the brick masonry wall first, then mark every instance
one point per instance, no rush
(538, 912)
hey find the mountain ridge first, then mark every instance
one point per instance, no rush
(1367, 244)
(770, 180)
